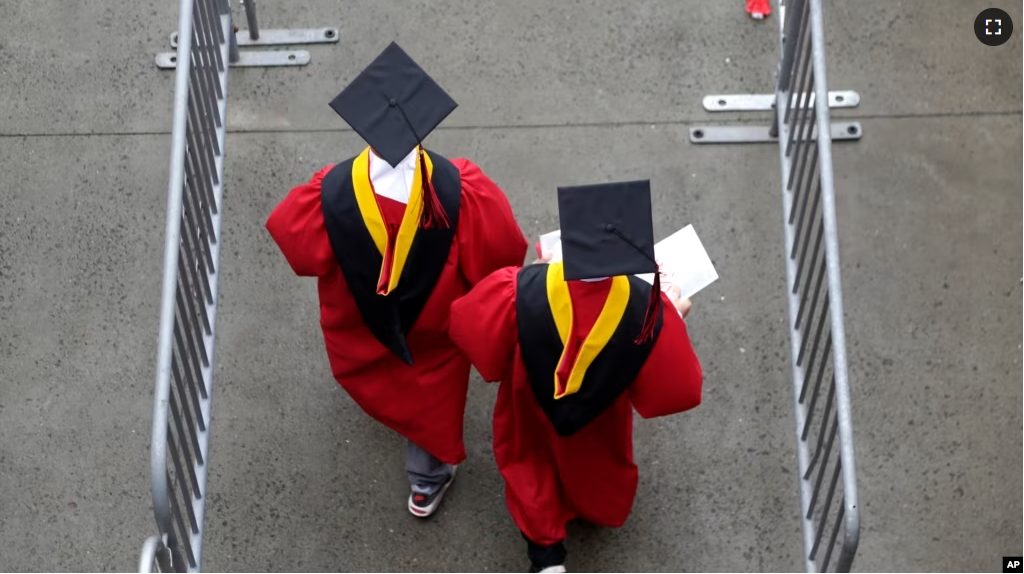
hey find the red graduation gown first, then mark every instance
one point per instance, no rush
(591, 475)
(425, 402)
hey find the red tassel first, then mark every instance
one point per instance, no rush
(433, 212)
(653, 310)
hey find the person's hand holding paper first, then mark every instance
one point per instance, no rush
(682, 304)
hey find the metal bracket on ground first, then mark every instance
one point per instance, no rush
(762, 134)
(253, 59)
(753, 133)
(766, 102)
(281, 37)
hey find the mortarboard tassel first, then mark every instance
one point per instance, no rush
(653, 310)
(654, 301)
(433, 212)
(434, 216)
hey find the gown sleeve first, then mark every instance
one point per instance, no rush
(297, 226)
(483, 324)
(489, 237)
(671, 380)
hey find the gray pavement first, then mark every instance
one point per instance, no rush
(928, 208)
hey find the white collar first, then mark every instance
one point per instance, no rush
(393, 182)
(380, 167)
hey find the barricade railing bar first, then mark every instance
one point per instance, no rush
(802, 127)
(188, 306)
(828, 486)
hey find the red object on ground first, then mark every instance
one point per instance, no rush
(759, 8)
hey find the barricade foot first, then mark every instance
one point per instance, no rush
(766, 102)
(249, 59)
(296, 37)
(762, 134)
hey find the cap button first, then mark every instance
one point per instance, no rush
(609, 227)
(393, 103)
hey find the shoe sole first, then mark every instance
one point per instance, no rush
(428, 511)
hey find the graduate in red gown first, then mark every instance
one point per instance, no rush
(577, 345)
(394, 235)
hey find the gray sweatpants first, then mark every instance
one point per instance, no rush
(426, 473)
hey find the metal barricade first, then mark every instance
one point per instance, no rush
(188, 308)
(206, 47)
(828, 485)
(803, 129)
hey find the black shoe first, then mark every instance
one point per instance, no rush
(553, 554)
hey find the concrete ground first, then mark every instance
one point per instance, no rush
(929, 210)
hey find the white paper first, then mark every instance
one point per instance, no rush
(683, 260)
(684, 263)
(551, 244)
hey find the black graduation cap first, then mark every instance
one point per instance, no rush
(393, 104)
(607, 231)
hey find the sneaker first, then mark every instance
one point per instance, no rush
(423, 505)
(559, 568)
